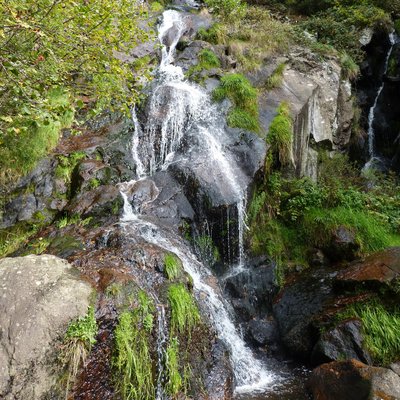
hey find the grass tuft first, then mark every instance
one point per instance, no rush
(172, 266)
(184, 312)
(175, 382)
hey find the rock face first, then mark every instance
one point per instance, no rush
(350, 380)
(40, 296)
(321, 107)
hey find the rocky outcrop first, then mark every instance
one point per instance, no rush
(40, 296)
(349, 380)
(321, 106)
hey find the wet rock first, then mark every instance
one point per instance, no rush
(378, 269)
(263, 332)
(29, 330)
(345, 341)
(349, 380)
(102, 202)
(219, 380)
(342, 245)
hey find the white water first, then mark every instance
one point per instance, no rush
(371, 114)
(177, 106)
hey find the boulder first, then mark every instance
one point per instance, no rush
(377, 270)
(353, 380)
(40, 296)
(342, 245)
(344, 341)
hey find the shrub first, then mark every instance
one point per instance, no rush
(230, 10)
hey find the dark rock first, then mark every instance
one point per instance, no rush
(298, 306)
(263, 332)
(345, 341)
(64, 246)
(350, 380)
(100, 202)
(342, 245)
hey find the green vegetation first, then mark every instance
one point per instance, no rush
(280, 135)
(228, 10)
(175, 382)
(288, 218)
(155, 6)
(206, 249)
(81, 335)
(54, 54)
(67, 164)
(243, 95)
(275, 80)
(397, 26)
(252, 38)
(133, 362)
(173, 266)
(74, 219)
(184, 312)
(207, 60)
(380, 329)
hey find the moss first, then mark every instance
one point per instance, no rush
(244, 96)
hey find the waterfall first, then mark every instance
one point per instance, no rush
(371, 114)
(181, 112)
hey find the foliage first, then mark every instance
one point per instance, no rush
(155, 6)
(243, 95)
(74, 219)
(350, 69)
(67, 164)
(184, 312)
(275, 80)
(252, 38)
(172, 266)
(206, 249)
(381, 326)
(54, 53)
(132, 361)
(174, 383)
(338, 26)
(290, 217)
(397, 26)
(79, 338)
(229, 10)
(207, 60)
(280, 134)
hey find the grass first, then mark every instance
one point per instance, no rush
(66, 165)
(280, 134)
(31, 139)
(252, 38)
(173, 267)
(381, 328)
(276, 79)
(244, 96)
(184, 312)
(79, 338)
(207, 60)
(132, 362)
(175, 382)
(74, 219)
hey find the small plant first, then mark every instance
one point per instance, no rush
(174, 383)
(230, 10)
(243, 95)
(155, 6)
(184, 312)
(133, 361)
(350, 69)
(380, 327)
(275, 80)
(172, 266)
(80, 337)
(280, 134)
(66, 165)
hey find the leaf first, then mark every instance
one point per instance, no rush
(6, 118)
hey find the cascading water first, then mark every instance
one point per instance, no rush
(181, 109)
(161, 343)
(371, 115)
